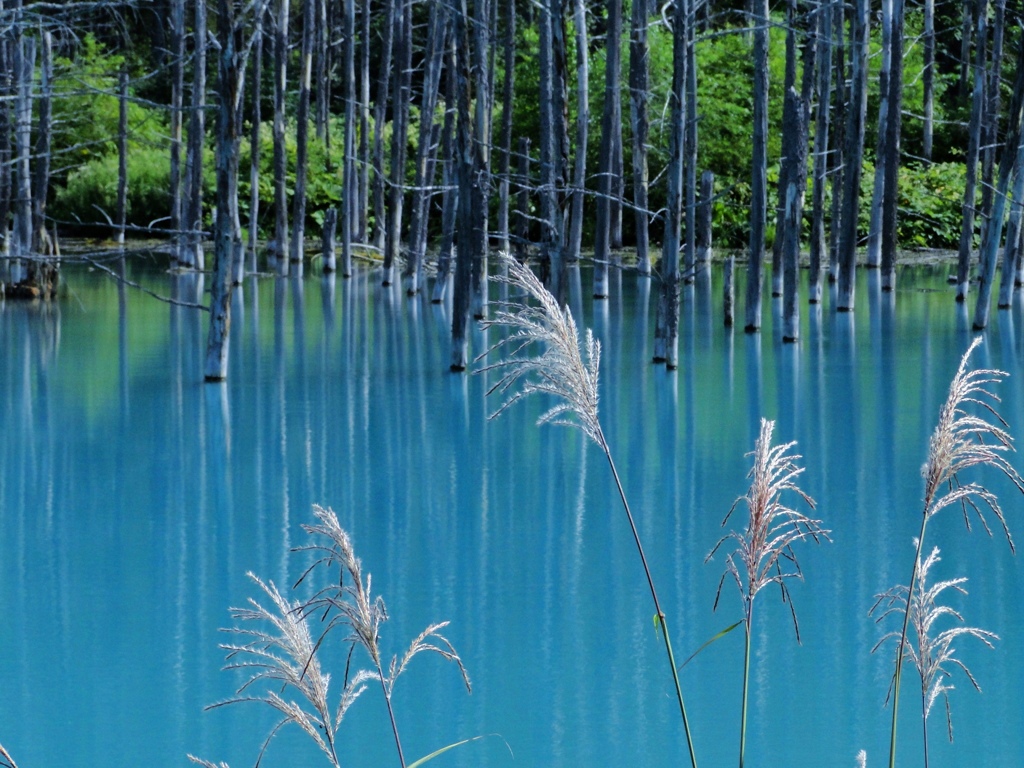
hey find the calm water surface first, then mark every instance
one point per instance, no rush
(134, 499)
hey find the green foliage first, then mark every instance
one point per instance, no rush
(931, 198)
(90, 192)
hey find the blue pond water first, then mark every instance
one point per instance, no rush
(134, 499)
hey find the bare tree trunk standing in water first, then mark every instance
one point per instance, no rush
(470, 171)
(176, 113)
(24, 66)
(796, 185)
(402, 89)
(192, 254)
(819, 249)
(508, 47)
(380, 108)
(122, 153)
(280, 250)
(424, 176)
(993, 231)
(449, 176)
(350, 196)
(928, 78)
(890, 197)
(759, 179)
(666, 330)
(302, 135)
(227, 234)
(853, 155)
(873, 256)
(484, 99)
(254, 139)
(639, 93)
(6, 94)
(786, 162)
(607, 185)
(41, 183)
(579, 172)
(963, 272)
(551, 220)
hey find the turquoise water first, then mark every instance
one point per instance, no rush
(134, 499)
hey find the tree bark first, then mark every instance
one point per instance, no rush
(424, 178)
(302, 134)
(449, 174)
(279, 252)
(607, 184)
(402, 85)
(551, 237)
(759, 179)
(192, 254)
(508, 47)
(853, 157)
(44, 133)
(819, 249)
(1012, 153)
(928, 79)
(227, 234)
(873, 256)
(350, 194)
(666, 330)
(121, 215)
(24, 67)
(470, 182)
(254, 140)
(176, 114)
(796, 184)
(786, 163)
(579, 173)
(974, 133)
(890, 197)
(379, 114)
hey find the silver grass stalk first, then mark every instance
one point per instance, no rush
(6, 761)
(279, 656)
(933, 652)
(764, 549)
(352, 605)
(543, 354)
(970, 433)
(862, 759)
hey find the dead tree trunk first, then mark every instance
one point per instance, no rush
(666, 330)
(424, 176)
(470, 181)
(192, 254)
(399, 137)
(873, 257)
(44, 133)
(363, 201)
(974, 131)
(121, 215)
(323, 72)
(574, 241)
(819, 250)
(551, 223)
(449, 175)
(24, 68)
(853, 156)
(786, 164)
(350, 196)
(796, 185)
(279, 251)
(302, 134)
(176, 114)
(508, 47)
(928, 78)
(639, 94)
(380, 108)
(254, 140)
(227, 233)
(993, 232)
(893, 127)
(759, 179)
(607, 185)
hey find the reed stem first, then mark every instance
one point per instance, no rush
(746, 679)
(391, 714)
(654, 596)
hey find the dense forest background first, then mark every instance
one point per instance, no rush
(426, 134)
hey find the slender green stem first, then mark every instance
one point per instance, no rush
(654, 595)
(746, 679)
(903, 639)
(391, 714)
(924, 723)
